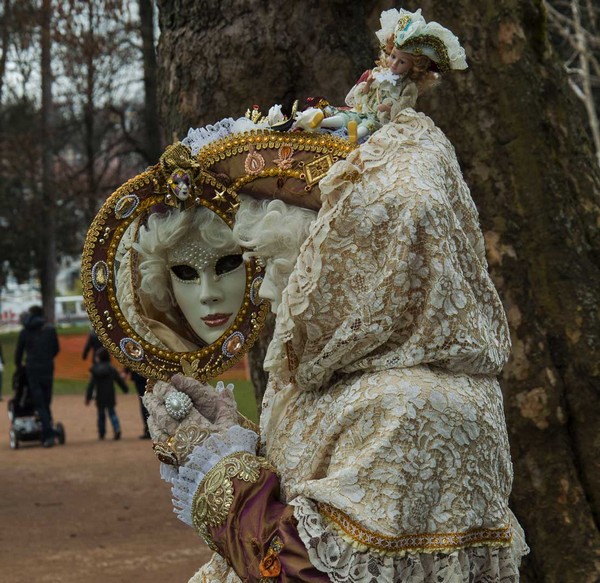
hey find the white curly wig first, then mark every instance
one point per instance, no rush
(273, 231)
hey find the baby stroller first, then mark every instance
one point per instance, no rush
(25, 424)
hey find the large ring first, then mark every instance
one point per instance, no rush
(178, 405)
(177, 448)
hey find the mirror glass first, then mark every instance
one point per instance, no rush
(165, 285)
(180, 279)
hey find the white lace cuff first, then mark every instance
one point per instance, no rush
(202, 459)
(168, 473)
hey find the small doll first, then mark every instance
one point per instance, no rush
(369, 102)
(413, 54)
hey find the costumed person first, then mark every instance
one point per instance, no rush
(406, 71)
(101, 388)
(38, 345)
(383, 452)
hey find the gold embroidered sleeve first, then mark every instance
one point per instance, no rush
(238, 511)
(214, 496)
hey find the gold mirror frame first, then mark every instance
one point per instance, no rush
(261, 164)
(133, 200)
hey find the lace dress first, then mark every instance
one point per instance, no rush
(386, 89)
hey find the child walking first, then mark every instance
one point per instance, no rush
(102, 388)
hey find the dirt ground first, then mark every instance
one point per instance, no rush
(90, 511)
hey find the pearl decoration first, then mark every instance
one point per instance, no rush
(178, 405)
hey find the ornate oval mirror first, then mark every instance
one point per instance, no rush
(164, 282)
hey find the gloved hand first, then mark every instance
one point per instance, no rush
(174, 438)
(204, 396)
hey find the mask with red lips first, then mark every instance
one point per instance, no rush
(208, 286)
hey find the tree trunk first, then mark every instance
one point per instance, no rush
(48, 267)
(519, 133)
(5, 29)
(219, 58)
(520, 136)
(153, 136)
(89, 118)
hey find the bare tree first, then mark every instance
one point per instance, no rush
(575, 23)
(49, 264)
(70, 124)
(152, 136)
(96, 52)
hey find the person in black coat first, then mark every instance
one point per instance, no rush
(140, 386)
(92, 345)
(102, 387)
(39, 343)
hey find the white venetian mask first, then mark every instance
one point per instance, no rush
(208, 285)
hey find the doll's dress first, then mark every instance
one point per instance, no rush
(398, 93)
(383, 417)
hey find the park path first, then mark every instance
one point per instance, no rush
(90, 511)
(68, 363)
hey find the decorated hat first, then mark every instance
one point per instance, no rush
(412, 34)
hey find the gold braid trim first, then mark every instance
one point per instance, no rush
(248, 424)
(214, 495)
(414, 543)
(428, 40)
(242, 142)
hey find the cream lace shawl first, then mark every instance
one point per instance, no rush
(383, 415)
(393, 274)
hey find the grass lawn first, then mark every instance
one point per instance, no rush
(244, 395)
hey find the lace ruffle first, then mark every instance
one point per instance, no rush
(197, 138)
(168, 473)
(202, 459)
(343, 562)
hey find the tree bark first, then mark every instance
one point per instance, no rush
(48, 267)
(520, 135)
(153, 135)
(219, 58)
